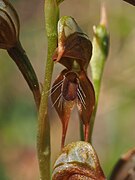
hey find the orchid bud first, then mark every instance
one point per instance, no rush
(78, 160)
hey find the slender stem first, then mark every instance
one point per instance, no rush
(43, 137)
(19, 56)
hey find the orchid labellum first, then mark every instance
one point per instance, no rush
(73, 87)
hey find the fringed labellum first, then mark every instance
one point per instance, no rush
(78, 160)
(72, 87)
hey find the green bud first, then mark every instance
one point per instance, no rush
(102, 38)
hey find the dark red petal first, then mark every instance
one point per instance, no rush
(87, 102)
(62, 107)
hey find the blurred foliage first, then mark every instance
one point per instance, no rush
(2, 173)
(114, 127)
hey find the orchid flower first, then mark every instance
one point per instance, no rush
(73, 87)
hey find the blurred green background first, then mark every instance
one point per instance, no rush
(114, 131)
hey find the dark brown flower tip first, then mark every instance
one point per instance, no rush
(125, 167)
(72, 88)
(9, 25)
(73, 45)
(78, 160)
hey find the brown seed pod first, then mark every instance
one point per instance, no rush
(77, 161)
(9, 25)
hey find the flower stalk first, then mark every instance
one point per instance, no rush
(19, 56)
(9, 40)
(43, 138)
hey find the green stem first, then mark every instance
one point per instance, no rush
(43, 137)
(100, 52)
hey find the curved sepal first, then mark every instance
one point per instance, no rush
(86, 101)
(62, 106)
